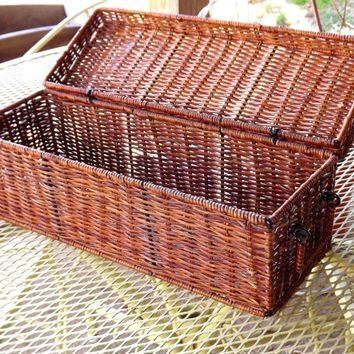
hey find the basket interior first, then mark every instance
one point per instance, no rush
(299, 82)
(203, 162)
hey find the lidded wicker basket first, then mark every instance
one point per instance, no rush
(198, 151)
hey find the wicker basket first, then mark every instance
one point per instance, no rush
(292, 85)
(206, 207)
(198, 151)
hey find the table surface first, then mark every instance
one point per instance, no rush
(57, 299)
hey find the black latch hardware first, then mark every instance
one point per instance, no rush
(300, 234)
(274, 134)
(333, 199)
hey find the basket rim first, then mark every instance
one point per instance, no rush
(188, 117)
(256, 26)
(331, 144)
(327, 164)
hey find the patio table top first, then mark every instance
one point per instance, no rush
(57, 299)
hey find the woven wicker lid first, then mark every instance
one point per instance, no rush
(291, 85)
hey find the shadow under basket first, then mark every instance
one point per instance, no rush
(196, 204)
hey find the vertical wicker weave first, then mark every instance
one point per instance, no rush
(222, 212)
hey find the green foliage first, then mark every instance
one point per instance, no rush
(281, 20)
(323, 3)
(320, 3)
(329, 17)
(299, 2)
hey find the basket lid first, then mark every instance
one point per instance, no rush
(289, 84)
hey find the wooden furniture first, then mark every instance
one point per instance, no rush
(21, 26)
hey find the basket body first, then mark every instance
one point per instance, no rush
(293, 85)
(200, 206)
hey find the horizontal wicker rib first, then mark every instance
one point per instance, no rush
(182, 200)
(252, 77)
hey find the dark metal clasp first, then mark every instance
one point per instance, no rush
(274, 134)
(89, 94)
(300, 234)
(268, 222)
(331, 198)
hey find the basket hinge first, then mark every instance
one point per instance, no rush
(269, 222)
(302, 237)
(274, 134)
(269, 313)
(89, 94)
(300, 234)
(331, 198)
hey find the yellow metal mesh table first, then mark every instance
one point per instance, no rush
(56, 299)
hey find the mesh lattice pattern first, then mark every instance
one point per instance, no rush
(57, 299)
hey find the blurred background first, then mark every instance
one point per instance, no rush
(23, 23)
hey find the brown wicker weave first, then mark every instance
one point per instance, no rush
(293, 85)
(214, 210)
